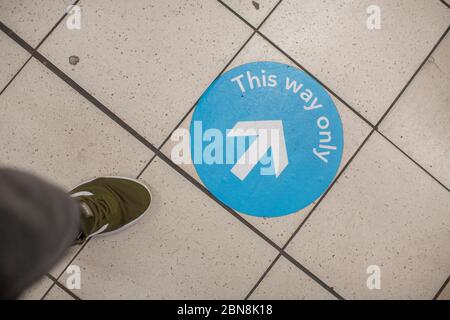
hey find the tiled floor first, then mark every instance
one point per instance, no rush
(144, 64)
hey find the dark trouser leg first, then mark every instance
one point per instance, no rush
(38, 222)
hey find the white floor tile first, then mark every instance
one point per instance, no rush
(420, 121)
(31, 19)
(253, 12)
(12, 58)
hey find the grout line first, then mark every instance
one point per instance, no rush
(54, 27)
(414, 161)
(65, 267)
(146, 166)
(37, 47)
(49, 289)
(221, 72)
(244, 20)
(69, 292)
(237, 14)
(269, 14)
(442, 288)
(48, 276)
(14, 77)
(412, 78)
(445, 4)
(312, 275)
(262, 277)
(150, 146)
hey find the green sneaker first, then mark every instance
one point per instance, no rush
(110, 205)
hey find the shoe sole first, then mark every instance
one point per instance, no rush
(129, 224)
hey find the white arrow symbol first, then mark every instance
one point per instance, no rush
(269, 134)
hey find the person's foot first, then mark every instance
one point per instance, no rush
(110, 204)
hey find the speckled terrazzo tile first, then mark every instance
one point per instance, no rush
(419, 123)
(253, 11)
(355, 130)
(287, 282)
(445, 294)
(384, 211)
(58, 294)
(12, 58)
(31, 19)
(37, 290)
(187, 247)
(367, 68)
(148, 61)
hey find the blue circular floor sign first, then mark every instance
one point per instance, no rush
(266, 139)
